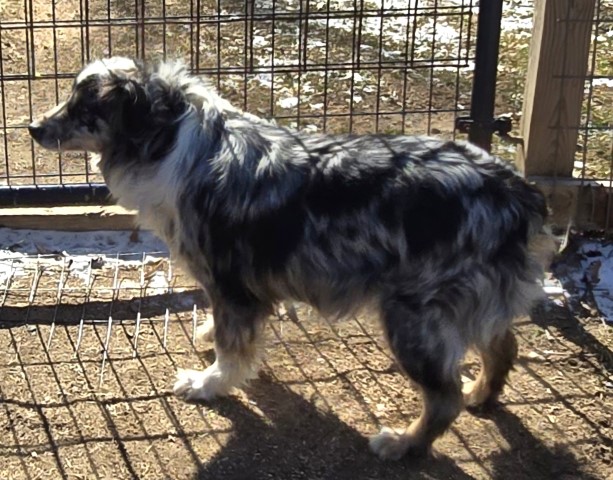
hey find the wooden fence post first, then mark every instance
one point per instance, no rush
(557, 67)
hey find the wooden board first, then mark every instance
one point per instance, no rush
(69, 218)
(584, 204)
(557, 68)
(581, 204)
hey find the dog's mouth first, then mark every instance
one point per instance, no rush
(57, 137)
(40, 135)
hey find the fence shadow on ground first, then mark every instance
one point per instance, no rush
(528, 457)
(98, 310)
(296, 440)
(571, 328)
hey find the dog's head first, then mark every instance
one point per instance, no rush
(111, 100)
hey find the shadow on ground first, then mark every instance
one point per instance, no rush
(295, 440)
(528, 457)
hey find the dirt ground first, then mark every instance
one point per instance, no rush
(79, 401)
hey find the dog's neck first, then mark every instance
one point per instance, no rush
(150, 185)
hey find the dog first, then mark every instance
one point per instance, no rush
(443, 240)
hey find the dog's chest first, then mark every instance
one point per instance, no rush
(151, 197)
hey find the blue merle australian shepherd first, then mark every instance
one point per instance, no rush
(445, 241)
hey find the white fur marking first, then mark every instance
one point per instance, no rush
(218, 380)
(389, 444)
(104, 67)
(202, 385)
(205, 332)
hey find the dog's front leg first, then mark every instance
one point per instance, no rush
(205, 332)
(238, 337)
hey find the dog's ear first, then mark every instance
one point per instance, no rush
(167, 101)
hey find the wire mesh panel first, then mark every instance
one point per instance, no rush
(86, 384)
(333, 65)
(99, 290)
(595, 149)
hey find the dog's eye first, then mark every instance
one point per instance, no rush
(77, 109)
(83, 97)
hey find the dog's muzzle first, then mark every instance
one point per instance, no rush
(36, 131)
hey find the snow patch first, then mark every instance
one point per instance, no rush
(78, 252)
(591, 271)
(47, 242)
(289, 102)
(10, 266)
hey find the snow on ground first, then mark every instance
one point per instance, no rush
(517, 17)
(590, 269)
(589, 272)
(80, 251)
(45, 242)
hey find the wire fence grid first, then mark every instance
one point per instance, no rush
(99, 290)
(594, 158)
(320, 65)
(97, 400)
(95, 295)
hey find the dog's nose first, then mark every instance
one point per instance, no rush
(35, 129)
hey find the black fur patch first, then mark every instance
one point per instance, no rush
(431, 217)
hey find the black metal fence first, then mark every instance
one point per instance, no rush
(396, 66)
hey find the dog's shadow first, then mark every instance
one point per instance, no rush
(289, 438)
(528, 457)
(295, 440)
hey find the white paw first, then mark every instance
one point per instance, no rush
(389, 445)
(205, 332)
(201, 384)
(475, 393)
(468, 391)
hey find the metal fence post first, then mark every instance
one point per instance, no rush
(484, 82)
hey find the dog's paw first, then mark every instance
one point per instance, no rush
(478, 399)
(200, 384)
(391, 445)
(205, 332)
(474, 394)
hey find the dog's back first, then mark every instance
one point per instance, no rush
(331, 220)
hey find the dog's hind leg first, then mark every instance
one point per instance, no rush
(497, 361)
(238, 338)
(428, 347)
